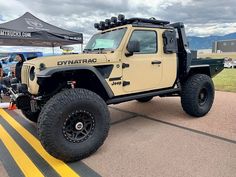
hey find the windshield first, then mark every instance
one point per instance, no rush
(109, 40)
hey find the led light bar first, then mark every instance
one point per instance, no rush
(114, 22)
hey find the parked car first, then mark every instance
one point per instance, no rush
(8, 59)
(230, 64)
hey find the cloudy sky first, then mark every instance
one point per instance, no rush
(202, 17)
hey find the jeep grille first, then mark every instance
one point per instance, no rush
(25, 74)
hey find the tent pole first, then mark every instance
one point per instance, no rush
(81, 48)
(52, 48)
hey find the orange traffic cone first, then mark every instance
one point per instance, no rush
(12, 106)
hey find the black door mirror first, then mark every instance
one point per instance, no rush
(133, 46)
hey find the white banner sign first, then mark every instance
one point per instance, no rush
(14, 33)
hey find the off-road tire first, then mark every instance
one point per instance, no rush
(32, 116)
(63, 107)
(145, 99)
(197, 95)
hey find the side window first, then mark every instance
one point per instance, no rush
(147, 40)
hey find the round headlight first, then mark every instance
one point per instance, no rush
(121, 17)
(101, 25)
(32, 73)
(42, 66)
(107, 23)
(114, 20)
(96, 25)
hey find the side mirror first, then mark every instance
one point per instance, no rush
(170, 41)
(133, 46)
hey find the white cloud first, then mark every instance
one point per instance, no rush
(11, 9)
(211, 29)
(201, 17)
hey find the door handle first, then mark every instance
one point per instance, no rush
(156, 62)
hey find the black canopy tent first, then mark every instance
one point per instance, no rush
(28, 30)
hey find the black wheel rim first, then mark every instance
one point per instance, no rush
(78, 126)
(202, 97)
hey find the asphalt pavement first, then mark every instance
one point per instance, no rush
(146, 139)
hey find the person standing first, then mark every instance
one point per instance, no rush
(18, 68)
(1, 71)
(4, 81)
(1, 79)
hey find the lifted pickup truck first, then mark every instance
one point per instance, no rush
(129, 59)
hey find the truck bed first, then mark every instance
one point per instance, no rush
(215, 65)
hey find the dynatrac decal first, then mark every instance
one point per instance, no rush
(73, 62)
(14, 33)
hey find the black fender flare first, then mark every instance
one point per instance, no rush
(48, 72)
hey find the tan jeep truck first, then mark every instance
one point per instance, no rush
(129, 59)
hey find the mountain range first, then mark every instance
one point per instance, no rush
(196, 43)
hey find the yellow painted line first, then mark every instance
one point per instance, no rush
(22, 160)
(59, 166)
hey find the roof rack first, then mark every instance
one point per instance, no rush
(114, 22)
(150, 21)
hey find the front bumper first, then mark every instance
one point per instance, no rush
(24, 100)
